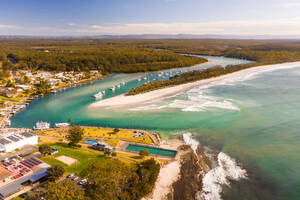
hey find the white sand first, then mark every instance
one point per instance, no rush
(122, 100)
(167, 176)
(67, 160)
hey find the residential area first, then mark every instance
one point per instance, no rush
(23, 86)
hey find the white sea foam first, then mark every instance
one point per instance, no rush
(226, 170)
(189, 140)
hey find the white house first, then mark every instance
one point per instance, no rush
(17, 141)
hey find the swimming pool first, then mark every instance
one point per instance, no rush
(152, 150)
(90, 141)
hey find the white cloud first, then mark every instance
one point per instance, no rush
(2, 26)
(290, 5)
(72, 24)
(238, 27)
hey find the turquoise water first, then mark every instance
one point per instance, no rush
(152, 150)
(90, 141)
(253, 117)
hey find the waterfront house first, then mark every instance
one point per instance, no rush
(102, 146)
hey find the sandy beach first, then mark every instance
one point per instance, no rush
(168, 174)
(124, 101)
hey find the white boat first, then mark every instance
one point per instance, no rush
(41, 125)
(119, 86)
(145, 78)
(112, 88)
(139, 79)
(98, 95)
(58, 125)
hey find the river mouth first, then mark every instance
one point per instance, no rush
(254, 120)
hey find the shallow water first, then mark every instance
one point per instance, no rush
(253, 117)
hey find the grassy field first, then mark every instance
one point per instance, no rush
(83, 157)
(102, 134)
(91, 132)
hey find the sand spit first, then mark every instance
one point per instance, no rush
(127, 101)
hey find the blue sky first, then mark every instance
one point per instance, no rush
(97, 17)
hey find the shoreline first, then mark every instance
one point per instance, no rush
(27, 100)
(127, 101)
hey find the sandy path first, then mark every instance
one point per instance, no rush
(122, 100)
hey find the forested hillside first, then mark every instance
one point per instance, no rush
(85, 55)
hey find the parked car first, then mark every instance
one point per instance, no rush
(83, 181)
(70, 176)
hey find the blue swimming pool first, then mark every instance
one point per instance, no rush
(90, 141)
(152, 150)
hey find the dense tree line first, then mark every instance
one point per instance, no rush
(117, 180)
(84, 55)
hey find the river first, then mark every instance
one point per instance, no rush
(252, 117)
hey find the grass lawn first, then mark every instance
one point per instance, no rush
(16, 99)
(83, 157)
(144, 140)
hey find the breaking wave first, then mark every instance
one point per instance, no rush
(225, 170)
(198, 98)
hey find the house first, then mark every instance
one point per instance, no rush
(17, 140)
(102, 146)
(53, 81)
(24, 87)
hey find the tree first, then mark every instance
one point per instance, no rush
(45, 149)
(107, 153)
(67, 190)
(144, 152)
(75, 135)
(55, 172)
(116, 130)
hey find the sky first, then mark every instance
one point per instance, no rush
(121, 17)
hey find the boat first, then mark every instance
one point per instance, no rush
(59, 125)
(98, 95)
(119, 86)
(139, 79)
(145, 78)
(41, 125)
(112, 88)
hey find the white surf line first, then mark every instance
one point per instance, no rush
(226, 169)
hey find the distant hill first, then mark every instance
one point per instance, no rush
(153, 36)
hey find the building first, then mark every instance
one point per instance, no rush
(102, 146)
(20, 173)
(5, 175)
(17, 141)
(41, 125)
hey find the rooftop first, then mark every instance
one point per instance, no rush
(4, 173)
